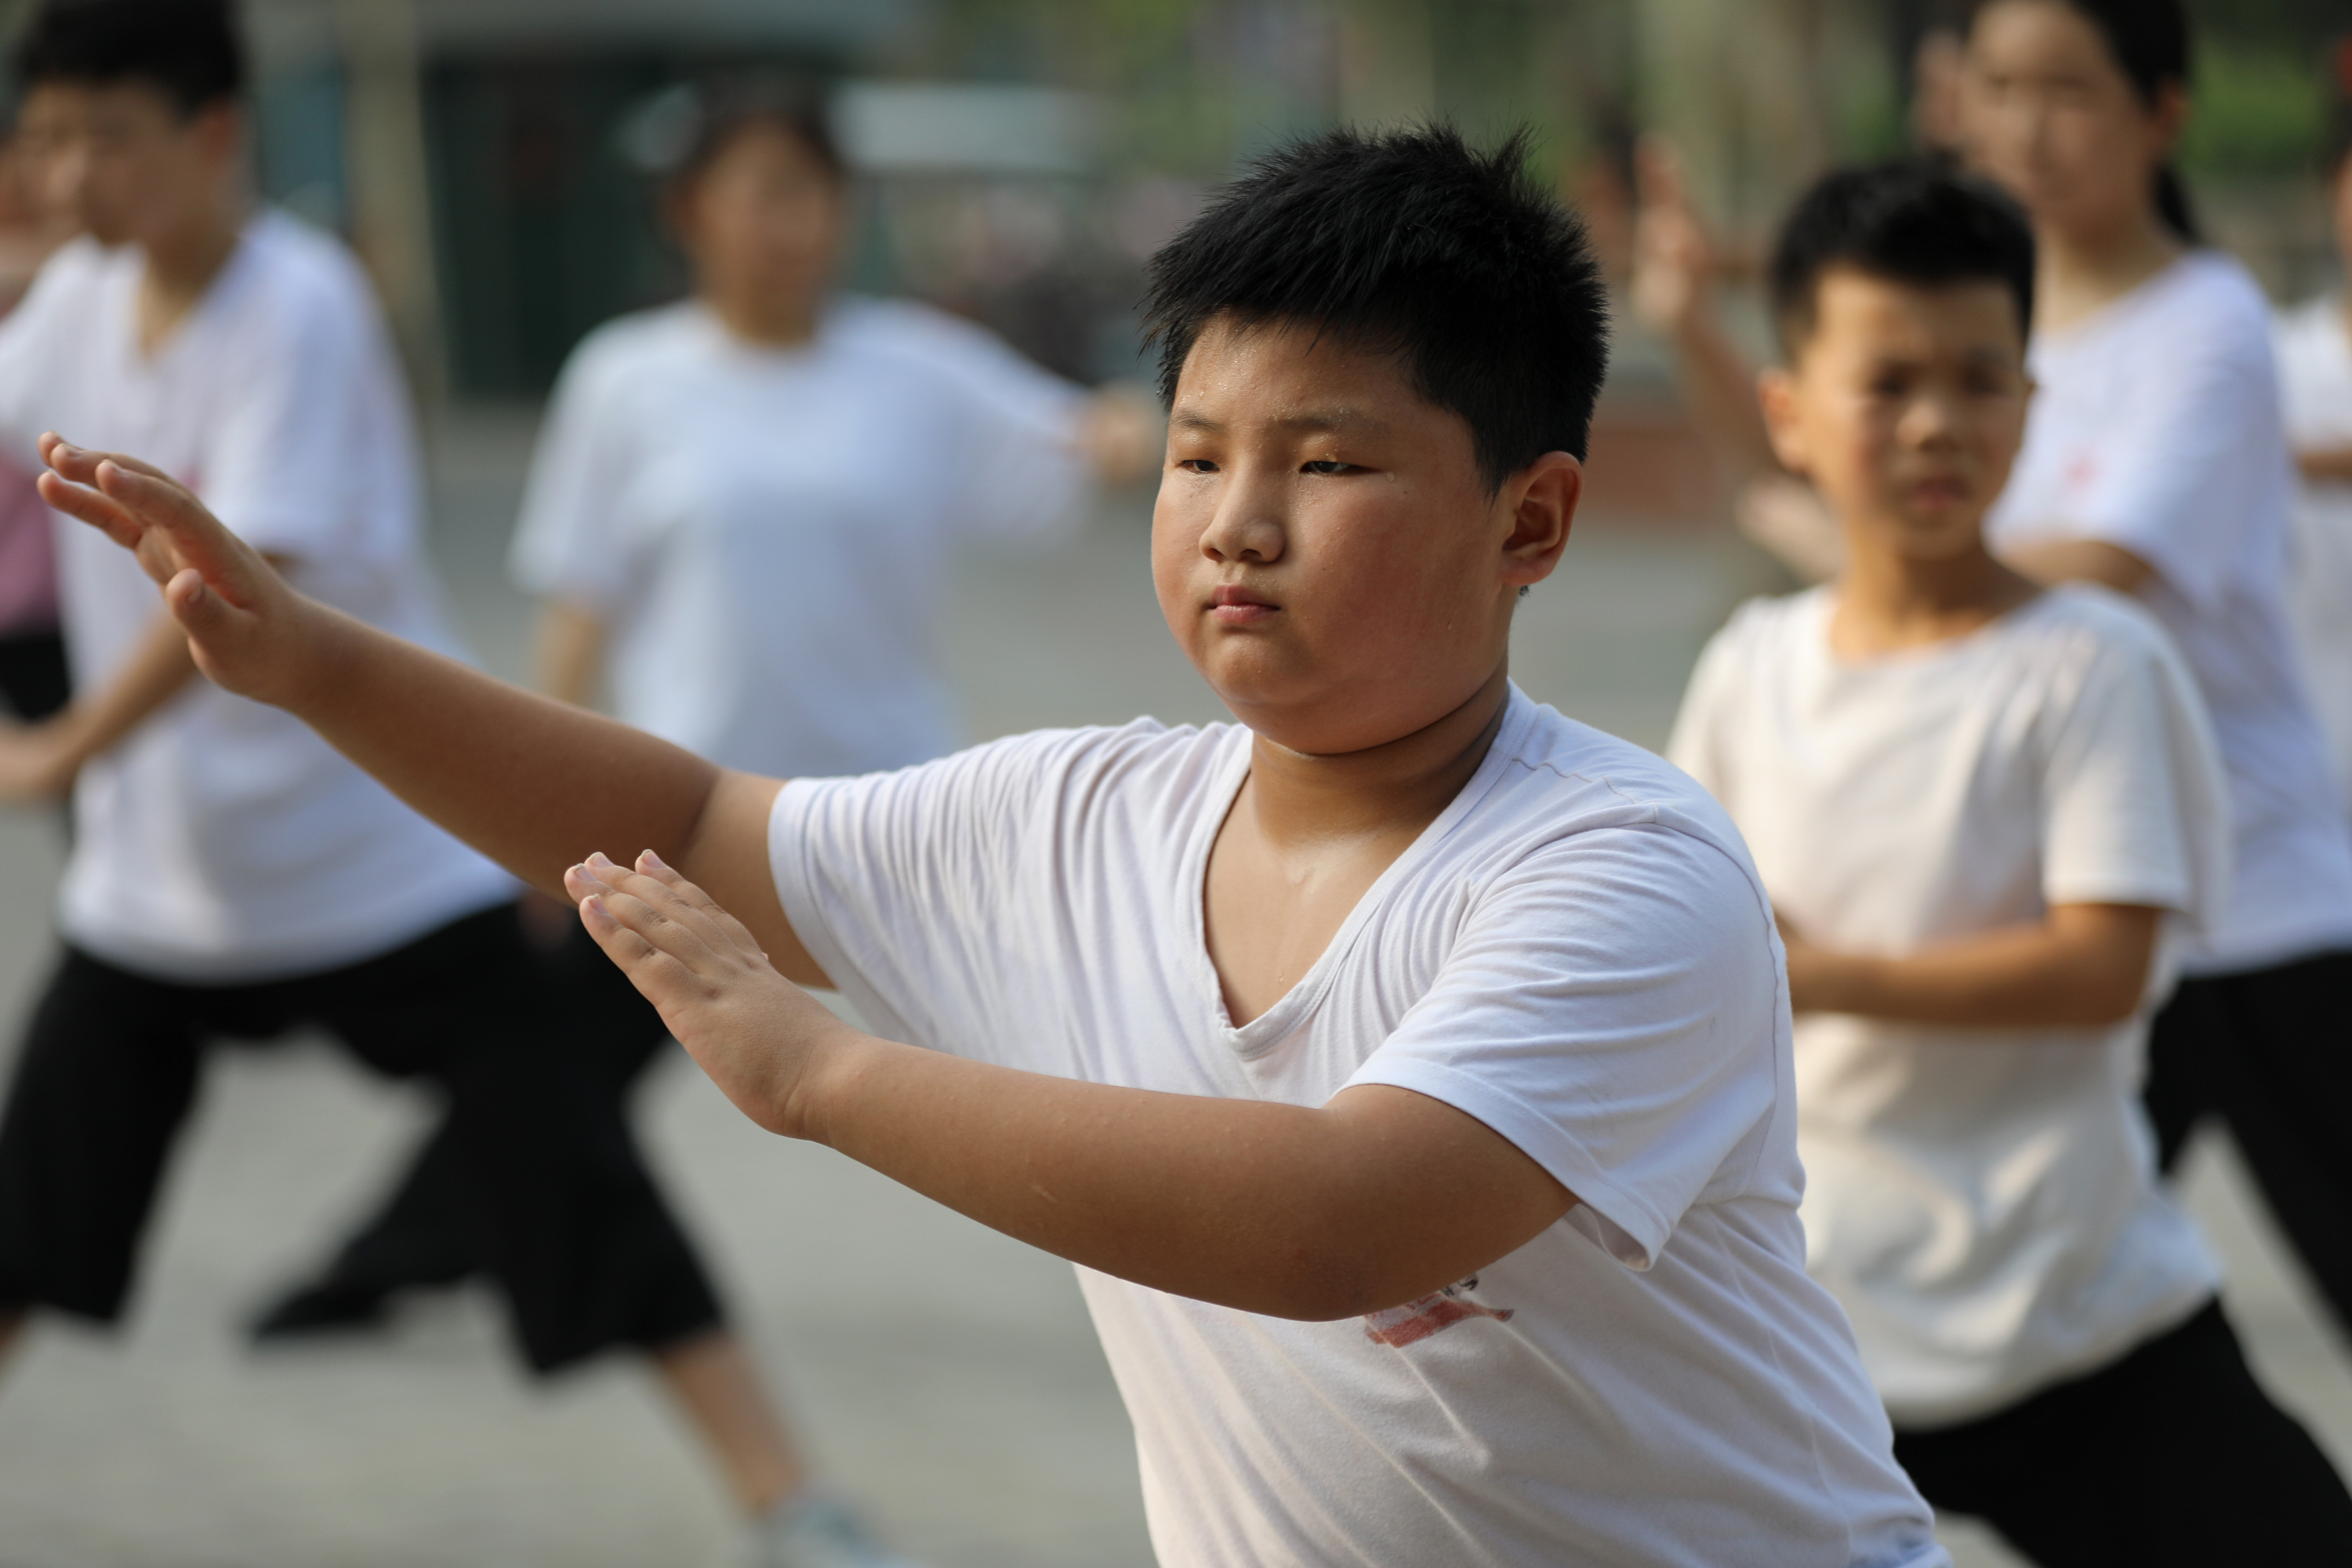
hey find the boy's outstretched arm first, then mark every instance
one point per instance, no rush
(531, 783)
(1374, 1199)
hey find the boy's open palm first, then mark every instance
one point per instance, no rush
(752, 1030)
(241, 619)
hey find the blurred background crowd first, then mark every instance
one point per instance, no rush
(1016, 162)
(1021, 157)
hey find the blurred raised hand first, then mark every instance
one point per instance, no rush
(1674, 259)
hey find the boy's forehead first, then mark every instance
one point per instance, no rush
(1860, 310)
(1291, 374)
(76, 101)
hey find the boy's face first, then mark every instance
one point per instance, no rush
(120, 159)
(1904, 406)
(1325, 548)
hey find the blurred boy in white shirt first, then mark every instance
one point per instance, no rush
(1983, 809)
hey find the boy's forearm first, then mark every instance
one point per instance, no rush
(157, 670)
(533, 783)
(2325, 465)
(1719, 383)
(2084, 968)
(1378, 1198)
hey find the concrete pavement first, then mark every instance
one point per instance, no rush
(946, 1375)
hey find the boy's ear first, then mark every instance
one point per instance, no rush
(1543, 498)
(1776, 393)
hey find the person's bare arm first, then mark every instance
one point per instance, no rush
(2084, 967)
(1674, 290)
(1379, 1196)
(534, 784)
(39, 761)
(2082, 561)
(568, 652)
(2325, 465)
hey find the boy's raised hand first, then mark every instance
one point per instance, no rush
(753, 1031)
(241, 618)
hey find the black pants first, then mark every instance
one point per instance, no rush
(420, 1233)
(2173, 1456)
(2270, 1053)
(556, 1201)
(33, 675)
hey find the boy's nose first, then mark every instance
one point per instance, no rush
(1247, 527)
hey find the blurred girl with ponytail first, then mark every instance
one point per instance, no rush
(2156, 461)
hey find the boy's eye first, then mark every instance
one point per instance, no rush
(1326, 467)
(1196, 465)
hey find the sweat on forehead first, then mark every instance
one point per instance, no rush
(1408, 242)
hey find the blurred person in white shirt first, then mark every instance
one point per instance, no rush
(2313, 342)
(2155, 462)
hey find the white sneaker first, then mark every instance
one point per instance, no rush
(817, 1529)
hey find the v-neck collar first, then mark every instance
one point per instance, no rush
(1278, 1023)
(224, 282)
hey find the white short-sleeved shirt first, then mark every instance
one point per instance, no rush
(2315, 359)
(222, 840)
(1576, 952)
(768, 530)
(1984, 1202)
(2156, 427)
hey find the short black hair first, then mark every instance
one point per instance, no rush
(1913, 220)
(188, 48)
(1410, 242)
(679, 133)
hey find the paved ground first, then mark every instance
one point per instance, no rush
(945, 1373)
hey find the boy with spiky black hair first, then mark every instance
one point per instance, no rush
(1986, 811)
(1406, 1068)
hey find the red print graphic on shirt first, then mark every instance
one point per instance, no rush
(2081, 472)
(1416, 1321)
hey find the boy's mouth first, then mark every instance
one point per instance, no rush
(1235, 606)
(1935, 494)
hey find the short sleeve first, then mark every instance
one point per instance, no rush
(1028, 476)
(2135, 804)
(901, 884)
(569, 543)
(1614, 1008)
(2193, 475)
(1697, 743)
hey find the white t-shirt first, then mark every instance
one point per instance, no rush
(222, 840)
(2314, 360)
(1576, 952)
(2156, 428)
(1984, 1202)
(768, 531)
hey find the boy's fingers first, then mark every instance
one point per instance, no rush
(652, 865)
(635, 957)
(88, 506)
(646, 908)
(80, 464)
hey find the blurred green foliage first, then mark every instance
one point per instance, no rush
(2259, 109)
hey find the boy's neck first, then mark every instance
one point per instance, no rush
(182, 264)
(1298, 797)
(763, 323)
(1887, 602)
